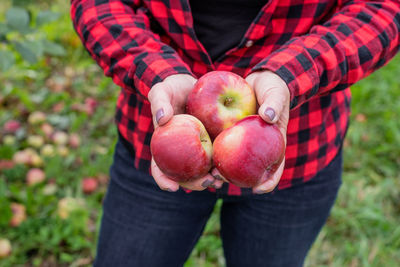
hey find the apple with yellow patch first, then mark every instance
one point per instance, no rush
(219, 99)
(249, 152)
(182, 148)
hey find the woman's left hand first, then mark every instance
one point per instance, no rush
(273, 96)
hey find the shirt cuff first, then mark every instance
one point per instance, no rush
(153, 69)
(295, 65)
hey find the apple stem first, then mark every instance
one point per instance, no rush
(228, 101)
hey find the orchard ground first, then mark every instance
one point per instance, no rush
(52, 218)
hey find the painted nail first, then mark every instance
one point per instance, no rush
(218, 177)
(159, 114)
(260, 191)
(207, 183)
(167, 189)
(270, 113)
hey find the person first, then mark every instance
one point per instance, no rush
(300, 57)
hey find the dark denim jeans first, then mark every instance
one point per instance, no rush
(143, 226)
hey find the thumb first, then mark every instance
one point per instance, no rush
(272, 102)
(160, 101)
(272, 94)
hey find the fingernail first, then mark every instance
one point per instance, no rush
(159, 114)
(270, 113)
(207, 183)
(167, 189)
(260, 191)
(218, 177)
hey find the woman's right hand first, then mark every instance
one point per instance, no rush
(168, 98)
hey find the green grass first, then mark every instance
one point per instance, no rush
(362, 230)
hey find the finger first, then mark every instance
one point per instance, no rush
(271, 182)
(218, 184)
(199, 184)
(160, 100)
(163, 181)
(217, 175)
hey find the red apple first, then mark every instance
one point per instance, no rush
(35, 176)
(249, 152)
(182, 148)
(5, 248)
(47, 129)
(90, 105)
(89, 185)
(19, 214)
(22, 157)
(219, 99)
(11, 126)
(74, 140)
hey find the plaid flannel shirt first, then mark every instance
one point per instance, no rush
(319, 47)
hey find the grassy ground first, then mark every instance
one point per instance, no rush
(77, 100)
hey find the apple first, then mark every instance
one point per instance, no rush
(19, 214)
(219, 99)
(47, 129)
(9, 140)
(60, 138)
(89, 185)
(182, 148)
(247, 153)
(36, 117)
(47, 150)
(36, 160)
(5, 248)
(69, 205)
(90, 105)
(11, 126)
(22, 157)
(63, 151)
(35, 176)
(49, 189)
(74, 140)
(6, 164)
(35, 140)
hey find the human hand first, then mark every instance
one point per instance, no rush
(168, 98)
(273, 96)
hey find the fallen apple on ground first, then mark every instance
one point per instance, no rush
(219, 99)
(18, 214)
(68, 205)
(5, 248)
(89, 185)
(11, 126)
(35, 176)
(182, 148)
(249, 152)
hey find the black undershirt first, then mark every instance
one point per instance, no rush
(221, 24)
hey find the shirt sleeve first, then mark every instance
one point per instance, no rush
(361, 37)
(117, 35)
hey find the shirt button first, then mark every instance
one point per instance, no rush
(249, 43)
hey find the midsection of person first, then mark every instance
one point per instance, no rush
(236, 39)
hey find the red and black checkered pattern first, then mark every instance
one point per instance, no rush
(319, 47)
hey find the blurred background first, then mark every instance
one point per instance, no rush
(57, 136)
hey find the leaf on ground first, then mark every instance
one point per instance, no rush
(18, 18)
(7, 60)
(46, 16)
(26, 52)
